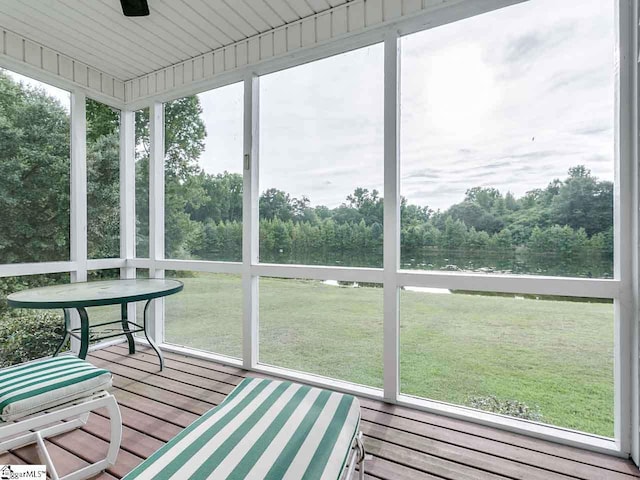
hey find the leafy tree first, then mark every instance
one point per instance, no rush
(184, 143)
(276, 204)
(34, 175)
(583, 202)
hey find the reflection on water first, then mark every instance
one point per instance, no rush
(591, 265)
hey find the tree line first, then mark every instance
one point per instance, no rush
(203, 212)
(569, 217)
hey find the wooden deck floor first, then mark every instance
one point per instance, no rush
(405, 444)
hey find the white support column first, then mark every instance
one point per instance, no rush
(626, 203)
(128, 197)
(634, 59)
(250, 221)
(78, 197)
(156, 213)
(391, 348)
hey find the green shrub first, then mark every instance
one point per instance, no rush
(27, 335)
(512, 408)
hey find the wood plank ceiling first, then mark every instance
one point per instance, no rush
(95, 31)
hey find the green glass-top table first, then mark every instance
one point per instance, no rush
(94, 294)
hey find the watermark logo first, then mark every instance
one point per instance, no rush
(11, 472)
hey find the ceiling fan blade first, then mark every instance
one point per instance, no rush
(135, 8)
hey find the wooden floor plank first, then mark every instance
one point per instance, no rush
(472, 436)
(433, 436)
(405, 444)
(64, 461)
(156, 427)
(503, 436)
(91, 449)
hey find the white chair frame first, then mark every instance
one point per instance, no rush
(356, 457)
(75, 415)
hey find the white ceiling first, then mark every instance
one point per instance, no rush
(96, 33)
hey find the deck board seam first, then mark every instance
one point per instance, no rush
(421, 435)
(476, 467)
(528, 448)
(498, 455)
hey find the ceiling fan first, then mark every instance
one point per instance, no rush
(135, 8)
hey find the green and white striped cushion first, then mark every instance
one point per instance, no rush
(264, 429)
(42, 384)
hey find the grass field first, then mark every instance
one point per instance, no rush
(556, 355)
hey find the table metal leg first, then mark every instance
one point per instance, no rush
(125, 328)
(151, 342)
(84, 332)
(65, 336)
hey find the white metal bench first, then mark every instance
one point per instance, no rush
(48, 397)
(265, 429)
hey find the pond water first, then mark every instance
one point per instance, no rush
(592, 264)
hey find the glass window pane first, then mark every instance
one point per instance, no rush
(507, 141)
(321, 161)
(546, 359)
(203, 176)
(103, 180)
(34, 170)
(142, 183)
(325, 328)
(207, 314)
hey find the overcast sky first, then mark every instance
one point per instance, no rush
(510, 99)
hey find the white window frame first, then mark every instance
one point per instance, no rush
(393, 278)
(623, 288)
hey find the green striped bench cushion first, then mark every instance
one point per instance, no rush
(42, 384)
(264, 429)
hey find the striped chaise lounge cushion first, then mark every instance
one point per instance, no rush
(43, 384)
(264, 429)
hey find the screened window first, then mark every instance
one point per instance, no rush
(34, 170)
(203, 175)
(507, 142)
(321, 176)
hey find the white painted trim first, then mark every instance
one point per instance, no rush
(78, 198)
(195, 353)
(432, 14)
(127, 184)
(50, 67)
(632, 39)
(144, 263)
(78, 189)
(625, 221)
(391, 323)
(546, 432)
(128, 198)
(156, 213)
(250, 225)
(19, 269)
(535, 285)
(198, 266)
(314, 272)
(105, 263)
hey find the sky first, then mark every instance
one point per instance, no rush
(510, 99)
(62, 96)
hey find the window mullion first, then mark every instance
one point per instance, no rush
(391, 239)
(250, 242)
(156, 212)
(78, 194)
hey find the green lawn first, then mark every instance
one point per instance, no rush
(556, 355)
